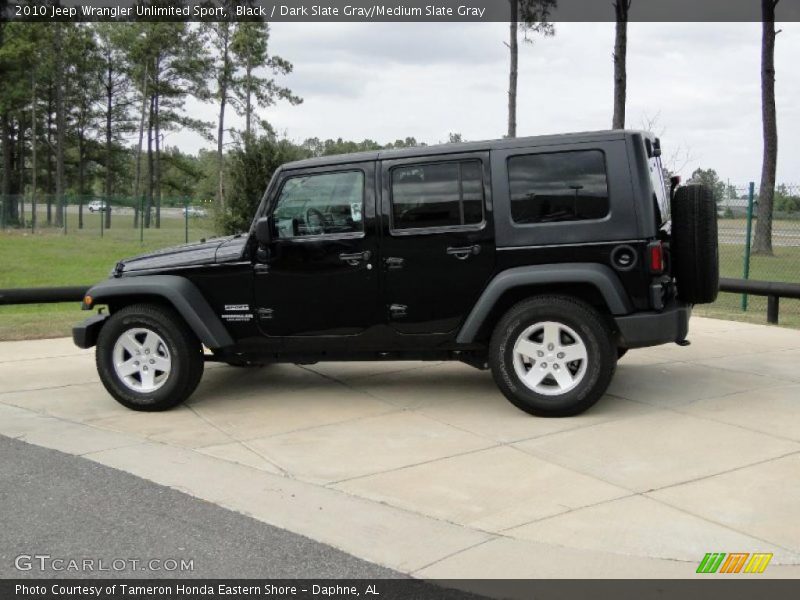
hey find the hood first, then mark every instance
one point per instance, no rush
(205, 252)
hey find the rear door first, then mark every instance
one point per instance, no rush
(437, 248)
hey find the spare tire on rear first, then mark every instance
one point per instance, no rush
(694, 247)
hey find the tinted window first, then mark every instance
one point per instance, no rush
(437, 195)
(328, 203)
(565, 186)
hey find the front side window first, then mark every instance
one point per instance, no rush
(320, 204)
(563, 186)
(437, 195)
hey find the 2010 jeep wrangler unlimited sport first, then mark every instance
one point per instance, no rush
(544, 259)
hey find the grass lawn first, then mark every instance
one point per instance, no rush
(82, 257)
(783, 266)
(728, 306)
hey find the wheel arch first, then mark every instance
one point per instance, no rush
(172, 290)
(595, 284)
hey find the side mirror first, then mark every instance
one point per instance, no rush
(265, 227)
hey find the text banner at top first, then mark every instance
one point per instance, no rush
(391, 11)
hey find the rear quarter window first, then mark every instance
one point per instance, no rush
(558, 187)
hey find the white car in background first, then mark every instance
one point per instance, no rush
(194, 211)
(97, 206)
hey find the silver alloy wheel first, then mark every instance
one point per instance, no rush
(141, 360)
(550, 358)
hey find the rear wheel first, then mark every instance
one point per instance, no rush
(147, 357)
(552, 356)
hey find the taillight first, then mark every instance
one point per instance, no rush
(655, 251)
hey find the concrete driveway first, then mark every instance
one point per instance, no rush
(425, 468)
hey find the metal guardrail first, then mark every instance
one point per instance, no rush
(773, 290)
(43, 295)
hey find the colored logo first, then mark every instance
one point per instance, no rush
(735, 562)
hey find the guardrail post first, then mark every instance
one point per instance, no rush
(773, 308)
(746, 275)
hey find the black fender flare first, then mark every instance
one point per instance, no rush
(181, 293)
(600, 276)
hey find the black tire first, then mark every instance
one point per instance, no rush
(694, 247)
(586, 322)
(184, 351)
(621, 352)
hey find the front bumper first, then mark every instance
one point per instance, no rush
(643, 329)
(85, 334)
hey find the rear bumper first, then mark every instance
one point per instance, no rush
(85, 334)
(643, 329)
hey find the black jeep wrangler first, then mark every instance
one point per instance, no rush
(544, 259)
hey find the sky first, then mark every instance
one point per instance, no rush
(697, 85)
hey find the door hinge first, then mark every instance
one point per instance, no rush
(397, 311)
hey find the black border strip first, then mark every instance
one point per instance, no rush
(388, 11)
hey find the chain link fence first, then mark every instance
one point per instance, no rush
(738, 260)
(176, 220)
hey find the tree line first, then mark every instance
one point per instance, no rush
(74, 94)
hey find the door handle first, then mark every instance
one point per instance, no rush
(353, 258)
(464, 252)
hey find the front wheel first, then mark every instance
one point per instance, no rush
(553, 356)
(147, 357)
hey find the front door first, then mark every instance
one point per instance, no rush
(437, 247)
(319, 280)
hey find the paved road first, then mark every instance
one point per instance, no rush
(69, 507)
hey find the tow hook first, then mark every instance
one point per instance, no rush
(684, 343)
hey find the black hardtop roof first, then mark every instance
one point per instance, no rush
(456, 148)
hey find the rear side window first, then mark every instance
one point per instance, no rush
(437, 195)
(563, 186)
